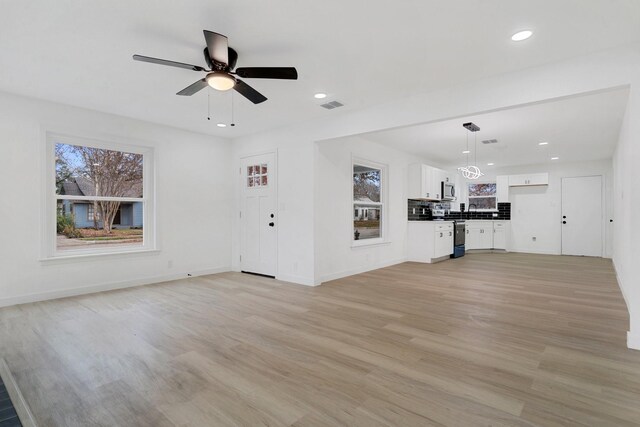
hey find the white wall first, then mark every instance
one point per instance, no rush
(626, 245)
(334, 212)
(193, 203)
(299, 253)
(536, 211)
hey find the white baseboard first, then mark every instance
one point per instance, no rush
(298, 280)
(633, 341)
(63, 293)
(359, 270)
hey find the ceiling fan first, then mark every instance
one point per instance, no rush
(221, 60)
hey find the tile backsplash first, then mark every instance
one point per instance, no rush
(419, 210)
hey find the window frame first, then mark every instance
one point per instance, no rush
(469, 197)
(49, 250)
(357, 161)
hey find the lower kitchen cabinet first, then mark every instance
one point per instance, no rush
(429, 241)
(486, 235)
(500, 235)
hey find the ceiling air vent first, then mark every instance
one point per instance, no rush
(331, 105)
(490, 141)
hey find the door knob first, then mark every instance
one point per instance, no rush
(271, 224)
(564, 217)
(564, 222)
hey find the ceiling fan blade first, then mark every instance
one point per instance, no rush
(196, 87)
(248, 92)
(285, 73)
(166, 62)
(218, 47)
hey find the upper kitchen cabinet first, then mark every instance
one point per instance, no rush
(528, 179)
(502, 188)
(425, 182)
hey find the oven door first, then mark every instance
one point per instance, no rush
(459, 237)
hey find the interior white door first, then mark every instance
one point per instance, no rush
(582, 216)
(258, 221)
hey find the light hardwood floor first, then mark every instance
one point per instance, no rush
(488, 339)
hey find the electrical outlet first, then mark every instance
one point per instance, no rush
(414, 210)
(495, 215)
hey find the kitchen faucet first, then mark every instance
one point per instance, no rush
(469, 210)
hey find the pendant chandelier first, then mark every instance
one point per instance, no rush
(473, 171)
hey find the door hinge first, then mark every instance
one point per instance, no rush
(240, 171)
(240, 214)
(240, 258)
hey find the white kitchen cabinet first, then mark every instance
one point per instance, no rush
(502, 188)
(528, 179)
(500, 234)
(429, 241)
(486, 234)
(425, 182)
(472, 238)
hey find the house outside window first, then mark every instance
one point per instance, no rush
(482, 196)
(368, 203)
(103, 198)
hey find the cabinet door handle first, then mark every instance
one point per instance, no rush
(441, 235)
(450, 234)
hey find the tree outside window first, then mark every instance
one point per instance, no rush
(367, 202)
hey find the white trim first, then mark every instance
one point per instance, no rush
(49, 250)
(384, 205)
(298, 280)
(19, 403)
(64, 293)
(633, 341)
(360, 270)
(82, 255)
(101, 198)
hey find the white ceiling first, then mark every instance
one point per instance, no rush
(579, 128)
(361, 52)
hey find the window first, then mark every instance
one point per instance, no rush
(257, 176)
(483, 196)
(368, 203)
(92, 215)
(102, 201)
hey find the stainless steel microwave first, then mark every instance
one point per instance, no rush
(448, 191)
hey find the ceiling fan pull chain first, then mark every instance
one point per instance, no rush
(208, 104)
(233, 122)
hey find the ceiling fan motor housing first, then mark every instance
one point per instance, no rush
(233, 59)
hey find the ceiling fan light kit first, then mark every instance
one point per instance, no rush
(220, 81)
(221, 60)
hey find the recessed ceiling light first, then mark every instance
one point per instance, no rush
(490, 164)
(555, 158)
(543, 143)
(320, 95)
(521, 35)
(466, 152)
(222, 125)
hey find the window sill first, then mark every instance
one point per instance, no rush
(91, 256)
(355, 245)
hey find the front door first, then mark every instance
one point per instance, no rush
(258, 221)
(582, 216)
